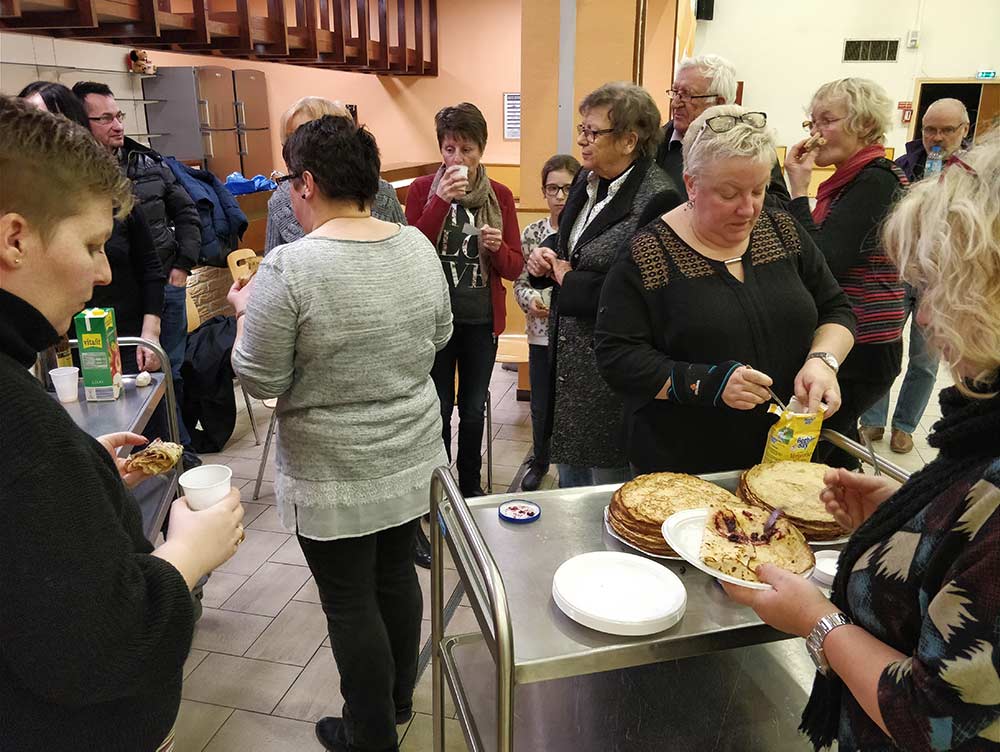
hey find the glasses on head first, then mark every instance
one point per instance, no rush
(820, 124)
(946, 131)
(686, 96)
(590, 134)
(553, 190)
(723, 123)
(107, 118)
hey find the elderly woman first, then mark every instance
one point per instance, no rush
(716, 302)
(282, 226)
(618, 138)
(906, 648)
(852, 116)
(472, 221)
(96, 625)
(345, 341)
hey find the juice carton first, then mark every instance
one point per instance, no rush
(100, 361)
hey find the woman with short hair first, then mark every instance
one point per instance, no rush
(472, 221)
(906, 649)
(342, 327)
(718, 301)
(618, 138)
(282, 227)
(852, 116)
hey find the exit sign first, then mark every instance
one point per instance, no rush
(986, 74)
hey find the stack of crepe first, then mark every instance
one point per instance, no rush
(793, 487)
(639, 508)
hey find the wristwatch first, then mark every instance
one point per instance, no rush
(827, 358)
(814, 642)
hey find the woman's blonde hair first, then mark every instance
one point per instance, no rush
(702, 144)
(869, 109)
(944, 236)
(308, 109)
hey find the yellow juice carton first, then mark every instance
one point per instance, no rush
(100, 361)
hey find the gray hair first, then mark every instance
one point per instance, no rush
(956, 103)
(703, 145)
(716, 69)
(869, 109)
(630, 109)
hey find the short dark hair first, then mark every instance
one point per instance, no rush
(630, 108)
(463, 120)
(58, 100)
(83, 88)
(343, 158)
(560, 162)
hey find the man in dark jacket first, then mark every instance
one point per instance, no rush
(945, 124)
(702, 82)
(172, 218)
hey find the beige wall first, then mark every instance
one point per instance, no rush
(539, 92)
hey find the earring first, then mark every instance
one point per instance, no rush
(303, 195)
(690, 203)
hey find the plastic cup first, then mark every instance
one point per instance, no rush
(206, 485)
(66, 380)
(463, 170)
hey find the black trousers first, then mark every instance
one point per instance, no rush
(473, 348)
(373, 606)
(538, 373)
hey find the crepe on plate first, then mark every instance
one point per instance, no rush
(639, 508)
(737, 541)
(793, 487)
(157, 457)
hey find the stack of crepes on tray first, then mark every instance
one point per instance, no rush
(639, 508)
(793, 487)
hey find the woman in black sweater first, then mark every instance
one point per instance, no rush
(95, 625)
(715, 303)
(852, 115)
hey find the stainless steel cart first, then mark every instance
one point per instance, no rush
(581, 690)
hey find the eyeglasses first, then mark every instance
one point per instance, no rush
(723, 123)
(279, 179)
(820, 124)
(590, 134)
(108, 118)
(685, 96)
(555, 190)
(946, 131)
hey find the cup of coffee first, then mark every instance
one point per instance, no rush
(206, 485)
(463, 170)
(66, 380)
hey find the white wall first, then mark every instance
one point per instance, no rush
(784, 49)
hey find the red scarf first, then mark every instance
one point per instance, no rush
(830, 188)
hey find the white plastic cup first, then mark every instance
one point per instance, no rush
(463, 170)
(66, 380)
(206, 485)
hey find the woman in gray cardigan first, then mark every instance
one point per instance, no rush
(342, 327)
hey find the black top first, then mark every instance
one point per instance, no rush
(470, 291)
(93, 630)
(666, 311)
(671, 160)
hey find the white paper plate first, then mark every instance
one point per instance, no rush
(684, 530)
(826, 544)
(619, 593)
(614, 534)
(826, 567)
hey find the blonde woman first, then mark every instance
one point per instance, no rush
(282, 227)
(907, 647)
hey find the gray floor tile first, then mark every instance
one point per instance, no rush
(308, 592)
(266, 493)
(251, 510)
(423, 696)
(219, 587)
(515, 433)
(419, 735)
(245, 468)
(253, 732)
(510, 453)
(242, 683)
(316, 692)
(269, 521)
(268, 590)
(293, 636)
(227, 631)
(197, 723)
(290, 553)
(253, 552)
(194, 658)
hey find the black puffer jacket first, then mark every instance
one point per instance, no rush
(171, 214)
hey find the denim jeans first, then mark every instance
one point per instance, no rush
(373, 605)
(538, 375)
(173, 339)
(918, 381)
(473, 348)
(574, 476)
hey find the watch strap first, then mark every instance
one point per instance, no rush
(814, 642)
(827, 358)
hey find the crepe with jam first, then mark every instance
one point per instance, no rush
(156, 458)
(793, 487)
(738, 539)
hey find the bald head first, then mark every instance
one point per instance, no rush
(945, 124)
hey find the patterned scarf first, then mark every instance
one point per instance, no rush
(830, 188)
(481, 202)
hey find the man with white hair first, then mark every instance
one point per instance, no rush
(702, 82)
(945, 125)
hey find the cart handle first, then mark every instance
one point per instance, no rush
(855, 449)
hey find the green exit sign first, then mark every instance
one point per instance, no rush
(986, 74)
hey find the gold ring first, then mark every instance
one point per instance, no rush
(243, 537)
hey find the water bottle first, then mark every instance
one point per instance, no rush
(935, 162)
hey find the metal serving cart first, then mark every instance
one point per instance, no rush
(533, 679)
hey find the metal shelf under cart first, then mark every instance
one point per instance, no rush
(733, 683)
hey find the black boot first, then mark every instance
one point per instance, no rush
(330, 732)
(422, 550)
(533, 478)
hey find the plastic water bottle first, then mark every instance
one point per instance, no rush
(934, 162)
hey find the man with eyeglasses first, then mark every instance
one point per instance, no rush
(173, 221)
(945, 125)
(702, 82)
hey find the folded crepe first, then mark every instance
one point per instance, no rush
(157, 457)
(737, 540)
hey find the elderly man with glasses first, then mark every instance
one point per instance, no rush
(702, 82)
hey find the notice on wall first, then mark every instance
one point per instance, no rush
(512, 116)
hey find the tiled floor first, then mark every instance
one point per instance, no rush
(261, 672)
